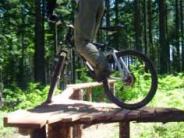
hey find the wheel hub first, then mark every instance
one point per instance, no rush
(129, 80)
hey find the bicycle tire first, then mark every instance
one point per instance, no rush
(153, 82)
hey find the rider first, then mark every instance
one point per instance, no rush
(87, 21)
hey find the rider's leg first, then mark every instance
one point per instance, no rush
(87, 20)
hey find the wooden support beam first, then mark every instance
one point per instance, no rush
(112, 87)
(77, 95)
(124, 130)
(77, 131)
(38, 133)
(89, 94)
(59, 131)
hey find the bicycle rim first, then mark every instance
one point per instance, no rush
(136, 90)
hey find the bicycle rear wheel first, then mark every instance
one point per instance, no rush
(136, 89)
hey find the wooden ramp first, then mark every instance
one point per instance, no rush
(64, 117)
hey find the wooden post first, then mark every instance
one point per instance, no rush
(77, 95)
(77, 129)
(112, 87)
(124, 130)
(89, 94)
(59, 131)
(38, 133)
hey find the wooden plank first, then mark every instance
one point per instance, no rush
(65, 118)
(87, 85)
(162, 115)
(83, 111)
(25, 119)
(66, 94)
(100, 116)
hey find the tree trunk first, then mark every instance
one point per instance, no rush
(182, 30)
(108, 13)
(138, 25)
(21, 78)
(116, 22)
(164, 49)
(39, 61)
(150, 36)
(176, 60)
(145, 27)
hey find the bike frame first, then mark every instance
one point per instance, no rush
(122, 67)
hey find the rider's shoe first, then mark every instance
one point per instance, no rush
(101, 74)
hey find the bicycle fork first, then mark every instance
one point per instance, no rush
(122, 67)
(59, 68)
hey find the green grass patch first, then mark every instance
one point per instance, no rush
(4, 131)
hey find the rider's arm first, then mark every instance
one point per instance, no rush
(51, 4)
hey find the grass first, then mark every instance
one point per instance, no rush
(4, 131)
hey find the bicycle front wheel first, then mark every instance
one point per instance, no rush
(135, 89)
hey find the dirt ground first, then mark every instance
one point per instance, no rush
(95, 131)
(101, 131)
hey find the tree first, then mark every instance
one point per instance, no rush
(182, 30)
(108, 13)
(138, 25)
(39, 61)
(164, 49)
(150, 32)
(176, 64)
(116, 36)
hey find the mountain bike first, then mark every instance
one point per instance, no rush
(134, 74)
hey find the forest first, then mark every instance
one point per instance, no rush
(153, 27)
(28, 42)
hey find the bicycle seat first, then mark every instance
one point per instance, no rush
(116, 28)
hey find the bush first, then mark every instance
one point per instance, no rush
(15, 98)
(171, 82)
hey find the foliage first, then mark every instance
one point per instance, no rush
(98, 93)
(169, 82)
(83, 75)
(4, 131)
(135, 86)
(166, 83)
(15, 98)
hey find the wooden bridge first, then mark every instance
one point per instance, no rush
(67, 115)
